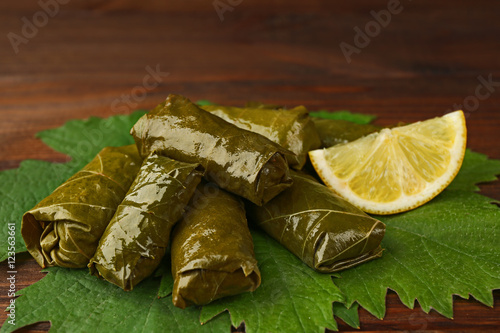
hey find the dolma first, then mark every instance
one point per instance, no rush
(323, 230)
(65, 227)
(240, 161)
(137, 237)
(212, 250)
(293, 129)
(335, 131)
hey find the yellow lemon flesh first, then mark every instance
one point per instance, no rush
(396, 169)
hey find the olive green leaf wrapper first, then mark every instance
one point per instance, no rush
(292, 129)
(137, 237)
(212, 249)
(335, 131)
(325, 231)
(240, 161)
(64, 228)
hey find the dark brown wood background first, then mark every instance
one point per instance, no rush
(91, 55)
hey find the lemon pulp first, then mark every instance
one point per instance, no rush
(396, 169)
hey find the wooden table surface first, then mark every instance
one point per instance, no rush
(106, 57)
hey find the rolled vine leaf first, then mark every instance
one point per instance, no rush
(212, 249)
(64, 228)
(323, 230)
(138, 235)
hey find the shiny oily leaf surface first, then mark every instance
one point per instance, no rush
(212, 249)
(138, 234)
(64, 228)
(323, 230)
(239, 161)
(293, 129)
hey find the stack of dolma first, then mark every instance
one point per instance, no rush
(239, 161)
(121, 212)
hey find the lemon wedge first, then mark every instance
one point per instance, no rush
(398, 169)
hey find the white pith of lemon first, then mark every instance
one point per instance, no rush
(398, 169)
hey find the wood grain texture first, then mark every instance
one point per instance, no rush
(93, 56)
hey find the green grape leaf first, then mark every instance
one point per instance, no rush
(291, 298)
(75, 301)
(348, 315)
(83, 139)
(357, 118)
(446, 247)
(165, 272)
(476, 168)
(450, 246)
(203, 102)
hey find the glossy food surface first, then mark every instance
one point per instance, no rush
(335, 131)
(65, 227)
(323, 230)
(292, 129)
(137, 236)
(240, 161)
(212, 249)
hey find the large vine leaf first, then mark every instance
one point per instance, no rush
(75, 301)
(348, 315)
(83, 139)
(357, 118)
(476, 168)
(292, 297)
(445, 247)
(450, 246)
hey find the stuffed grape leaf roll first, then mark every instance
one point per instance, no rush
(325, 231)
(292, 129)
(65, 227)
(137, 237)
(240, 161)
(335, 131)
(212, 249)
